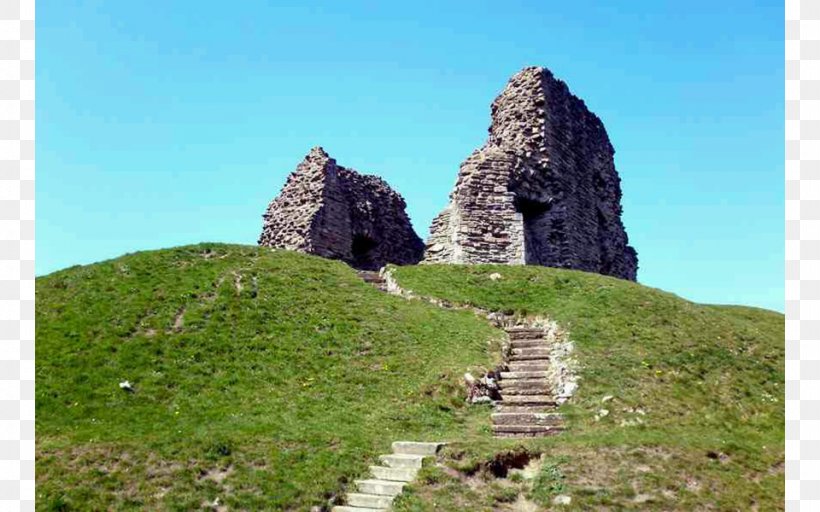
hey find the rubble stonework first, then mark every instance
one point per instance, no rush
(334, 212)
(543, 190)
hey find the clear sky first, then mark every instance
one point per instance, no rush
(161, 123)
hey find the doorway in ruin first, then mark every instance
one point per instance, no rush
(363, 250)
(538, 230)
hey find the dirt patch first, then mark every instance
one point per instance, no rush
(237, 282)
(503, 462)
(718, 456)
(217, 475)
(522, 504)
(179, 319)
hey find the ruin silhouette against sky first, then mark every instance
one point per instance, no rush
(159, 125)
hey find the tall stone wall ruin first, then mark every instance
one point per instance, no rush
(543, 190)
(334, 212)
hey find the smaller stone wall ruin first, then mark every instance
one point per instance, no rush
(334, 212)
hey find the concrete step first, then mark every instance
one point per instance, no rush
(380, 487)
(528, 344)
(527, 418)
(397, 460)
(414, 448)
(542, 400)
(356, 499)
(527, 430)
(347, 508)
(528, 366)
(523, 375)
(394, 474)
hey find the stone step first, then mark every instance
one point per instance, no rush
(524, 408)
(522, 383)
(527, 418)
(528, 344)
(356, 499)
(523, 328)
(527, 429)
(525, 334)
(543, 358)
(380, 487)
(517, 435)
(370, 277)
(414, 448)
(542, 400)
(395, 474)
(528, 366)
(347, 508)
(523, 375)
(544, 389)
(397, 460)
(531, 351)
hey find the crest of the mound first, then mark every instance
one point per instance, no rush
(543, 189)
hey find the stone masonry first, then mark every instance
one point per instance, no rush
(543, 190)
(334, 212)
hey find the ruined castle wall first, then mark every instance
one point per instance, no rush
(543, 189)
(334, 212)
(378, 216)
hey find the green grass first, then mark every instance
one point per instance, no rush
(270, 380)
(269, 395)
(698, 415)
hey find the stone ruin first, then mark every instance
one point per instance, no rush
(334, 212)
(543, 190)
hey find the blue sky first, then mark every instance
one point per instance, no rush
(165, 123)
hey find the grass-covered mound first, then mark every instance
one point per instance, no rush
(264, 379)
(696, 421)
(269, 379)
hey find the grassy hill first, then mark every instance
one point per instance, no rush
(269, 379)
(265, 379)
(696, 421)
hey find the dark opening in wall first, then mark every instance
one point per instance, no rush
(536, 217)
(362, 250)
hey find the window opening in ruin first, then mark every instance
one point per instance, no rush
(537, 229)
(363, 252)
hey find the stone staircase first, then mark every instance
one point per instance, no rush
(374, 278)
(527, 405)
(389, 479)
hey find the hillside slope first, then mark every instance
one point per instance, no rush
(264, 379)
(693, 394)
(269, 379)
